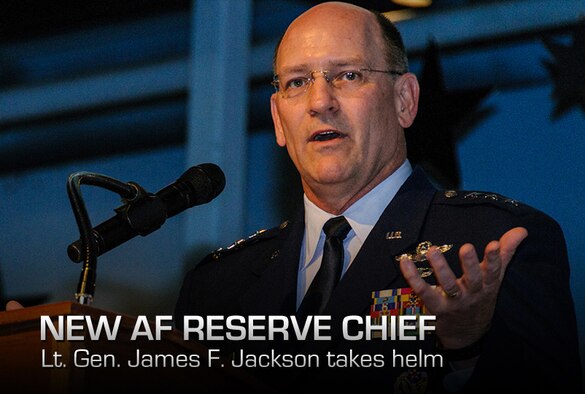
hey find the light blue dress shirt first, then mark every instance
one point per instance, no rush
(362, 216)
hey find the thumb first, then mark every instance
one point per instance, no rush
(13, 305)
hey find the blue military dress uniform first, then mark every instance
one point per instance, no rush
(532, 342)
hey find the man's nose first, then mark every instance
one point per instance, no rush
(321, 93)
(320, 73)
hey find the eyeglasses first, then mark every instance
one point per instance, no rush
(346, 82)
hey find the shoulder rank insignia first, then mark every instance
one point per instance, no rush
(241, 243)
(216, 254)
(451, 194)
(490, 196)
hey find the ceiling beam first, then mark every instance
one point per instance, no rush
(103, 90)
(491, 24)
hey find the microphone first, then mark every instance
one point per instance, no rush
(198, 185)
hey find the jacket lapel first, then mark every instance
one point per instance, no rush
(374, 268)
(396, 232)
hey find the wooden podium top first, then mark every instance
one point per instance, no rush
(20, 318)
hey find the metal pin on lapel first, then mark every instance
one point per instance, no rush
(394, 235)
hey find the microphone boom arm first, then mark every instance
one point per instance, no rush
(140, 214)
(130, 192)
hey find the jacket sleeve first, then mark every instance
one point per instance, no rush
(532, 345)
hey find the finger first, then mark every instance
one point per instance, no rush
(414, 280)
(13, 305)
(472, 277)
(492, 264)
(499, 253)
(443, 272)
(510, 241)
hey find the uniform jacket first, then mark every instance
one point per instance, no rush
(530, 347)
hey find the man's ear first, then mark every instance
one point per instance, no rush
(278, 130)
(407, 94)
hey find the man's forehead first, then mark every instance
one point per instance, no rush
(329, 46)
(322, 26)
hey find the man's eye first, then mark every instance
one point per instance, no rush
(349, 76)
(296, 83)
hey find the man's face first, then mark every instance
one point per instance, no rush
(335, 139)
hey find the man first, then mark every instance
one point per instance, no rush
(493, 271)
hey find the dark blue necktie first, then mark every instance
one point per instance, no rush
(319, 292)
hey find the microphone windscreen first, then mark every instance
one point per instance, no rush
(205, 181)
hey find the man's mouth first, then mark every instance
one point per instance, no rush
(326, 136)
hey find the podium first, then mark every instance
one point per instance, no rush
(98, 365)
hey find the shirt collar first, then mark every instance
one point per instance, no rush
(362, 215)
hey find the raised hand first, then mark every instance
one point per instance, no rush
(464, 306)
